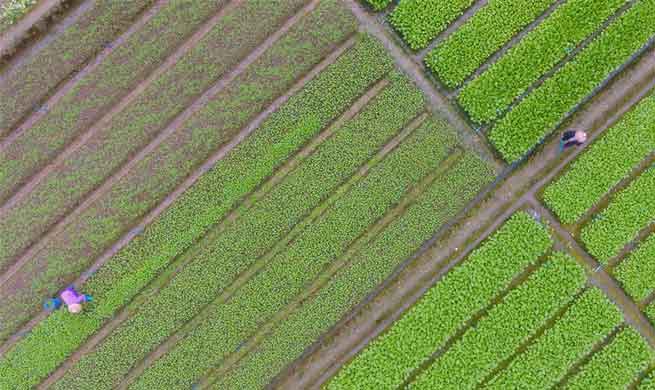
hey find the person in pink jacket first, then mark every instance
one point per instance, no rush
(71, 298)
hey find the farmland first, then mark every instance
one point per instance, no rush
(337, 194)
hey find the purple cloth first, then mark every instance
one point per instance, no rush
(70, 296)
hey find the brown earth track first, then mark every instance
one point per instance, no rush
(124, 102)
(511, 43)
(324, 278)
(283, 243)
(67, 85)
(518, 184)
(171, 198)
(452, 27)
(438, 103)
(10, 38)
(164, 134)
(191, 179)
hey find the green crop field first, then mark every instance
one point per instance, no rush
(327, 194)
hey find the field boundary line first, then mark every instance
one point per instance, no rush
(100, 124)
(374, 230)
(14, 34)
(601, 278)
(183, 187)
(439, 104)
(226, 294)
(516, 38)
(170, 129)
(67, 85)
(495, 202)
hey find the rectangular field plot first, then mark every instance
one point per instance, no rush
(262, 163)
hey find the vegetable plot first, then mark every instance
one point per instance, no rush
(629, 211)
(194, 214)
(443, 309)
(506, 326)
(538, 114)
(637, 272)
(548, 358)
(608, 161)
(465, 50)
(420, 21)
(487, 96)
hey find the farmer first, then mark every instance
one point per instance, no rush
(71, 298)
(572, 138)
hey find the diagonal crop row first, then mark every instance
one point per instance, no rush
(615, 366)
(218, 260)
(27, 85)
(117, 140)
(637, 272)
(487, 31)
(367, 268)
(149, 179)
(608, 161)
(12, 10)
(288, 272)
(506, 326)
(491, 93)
(466, 289)
(420, 21)
(630, 211)
(540, 112)
(191, 217)
(547, 359)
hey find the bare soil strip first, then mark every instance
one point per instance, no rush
(13, 35)
(438, 103)
(171, 198)
(105, 120)
(368, 320)
(452, 27)
(511, 43)
(170, 129)
(66, 86)
(282, 244)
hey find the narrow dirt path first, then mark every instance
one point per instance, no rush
(190, 181)
(157, 141)
(438, 103)
(516, 186)
(600, 278)
(12, 37)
